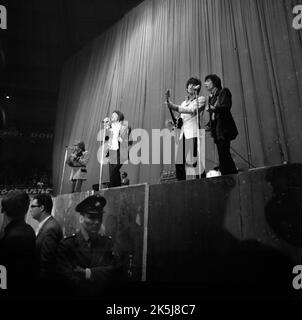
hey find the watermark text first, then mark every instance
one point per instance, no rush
(297, 21)
(3, 17)
(3, 277)
(297, 281)
(160, 147)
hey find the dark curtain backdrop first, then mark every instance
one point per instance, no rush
(251, 44)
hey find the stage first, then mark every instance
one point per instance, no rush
(236, 235)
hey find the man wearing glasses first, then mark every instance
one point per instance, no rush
(48, 235)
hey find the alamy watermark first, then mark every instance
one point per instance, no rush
(3, 17)
(3, 277)
(297, 281)
(163, 146)
(297, 21)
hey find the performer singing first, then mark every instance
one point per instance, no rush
(78, 160)
(222, 125)
(188, 133)
(118, 134)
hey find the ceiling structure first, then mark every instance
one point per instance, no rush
(40, 36)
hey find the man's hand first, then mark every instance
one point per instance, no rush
(167, 103)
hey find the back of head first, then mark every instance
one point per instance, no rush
(46, 201)
(15, 204)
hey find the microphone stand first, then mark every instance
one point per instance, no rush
(198, 134)
(102, 158)
(63, 171)
(240, 156)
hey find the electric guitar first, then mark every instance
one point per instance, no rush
(73, 158)
(178, 122)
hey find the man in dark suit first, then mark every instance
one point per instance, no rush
(221, 124)
(48, 236)
(17, 247)
(85, 261)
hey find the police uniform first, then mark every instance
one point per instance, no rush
(77, 253)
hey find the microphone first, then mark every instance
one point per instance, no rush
(107, 123)
(196, 87)
(106, 120)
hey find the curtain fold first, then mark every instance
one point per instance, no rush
(160, 44)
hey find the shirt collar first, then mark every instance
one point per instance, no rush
(41, 224)
(215, 91)
(190, 98)
(116, 124)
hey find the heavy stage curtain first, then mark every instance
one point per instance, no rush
(251, 44)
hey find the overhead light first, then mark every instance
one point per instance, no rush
(7, 97)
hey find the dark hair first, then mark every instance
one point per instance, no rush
(44, 200)
(120, 115)
(195, 82)
(80, 144)
(125, 173)
(15, 204)
(215, 79)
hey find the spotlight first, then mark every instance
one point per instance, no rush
(7, 97)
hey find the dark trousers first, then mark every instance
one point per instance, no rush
(114, 169)
(180, 168)
(226, 163)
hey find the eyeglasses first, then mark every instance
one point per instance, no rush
(34, 206)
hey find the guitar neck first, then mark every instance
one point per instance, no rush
(173, 116)
(171, 112)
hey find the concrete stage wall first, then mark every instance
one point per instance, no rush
(213, 215)
(232, 236)
(232, 230)
(123, 220)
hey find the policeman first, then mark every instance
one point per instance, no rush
(85, 260)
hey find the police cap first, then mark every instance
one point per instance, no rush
(92, 205)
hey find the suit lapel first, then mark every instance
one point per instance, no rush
(216, 97)
(44, 226)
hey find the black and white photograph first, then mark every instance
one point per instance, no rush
(151, 153)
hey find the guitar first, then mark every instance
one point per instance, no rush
(73, 158)
(178, 122)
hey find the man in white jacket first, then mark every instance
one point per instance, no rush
(188, 137)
